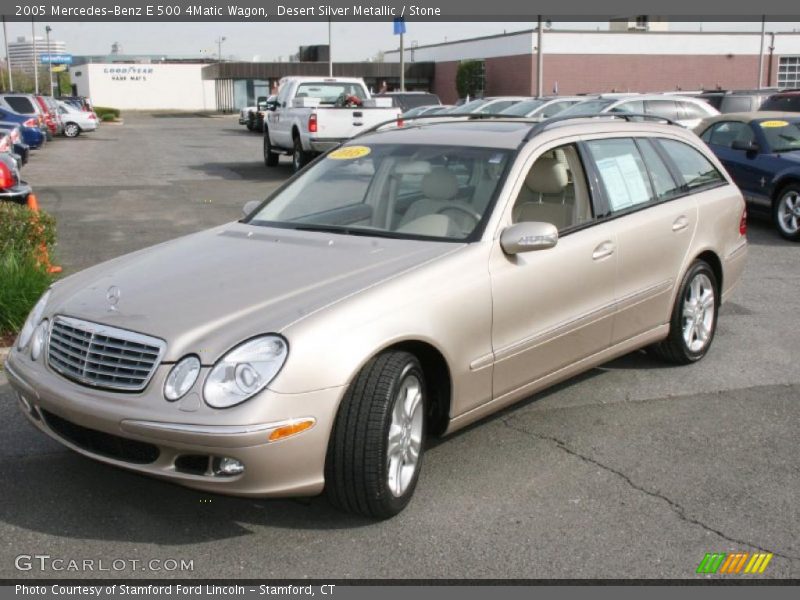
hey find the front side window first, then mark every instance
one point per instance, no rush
(522, 109)
(555, 191)
(695, 169)
(667, 109)
(588, 107)
(622, 173)
(392, 190)
(726, 132)
(632, 106)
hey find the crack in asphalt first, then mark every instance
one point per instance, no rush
(679, 510)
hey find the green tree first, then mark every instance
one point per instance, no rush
(470, 78)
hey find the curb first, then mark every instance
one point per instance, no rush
(4, 352)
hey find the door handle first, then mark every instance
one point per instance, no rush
(603, 250)
(680, 224)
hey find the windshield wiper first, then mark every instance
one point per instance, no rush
(344, 230)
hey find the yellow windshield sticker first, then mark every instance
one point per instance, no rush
(349, 153)
(774, 123)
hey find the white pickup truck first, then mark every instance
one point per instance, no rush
(315, 114)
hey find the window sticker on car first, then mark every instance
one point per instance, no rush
(769, 124)
(496, 159)
(349, 153)
(623, 181)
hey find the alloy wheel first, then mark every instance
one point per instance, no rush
(405, 436)
(698, 313)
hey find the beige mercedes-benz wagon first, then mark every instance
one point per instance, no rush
(406, 284)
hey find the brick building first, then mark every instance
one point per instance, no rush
(613, 61)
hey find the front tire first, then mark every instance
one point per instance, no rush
(270, 158)
(376, 446)
(72, 130)
(694, 317)
(786, 212)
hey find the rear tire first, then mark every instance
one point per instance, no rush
(300, 158)
(786, 212)
(694, 317)
(376, 446)
(72, 130)
(270, 158)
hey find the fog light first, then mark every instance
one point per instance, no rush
(228, 466)
(39, 338)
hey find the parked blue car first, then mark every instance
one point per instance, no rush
(31, 133)
(761, 151)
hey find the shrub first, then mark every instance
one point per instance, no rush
(101, 111)
(24, 278)
(469, 78)
(22, 231)
(24, 281)
(108, 117)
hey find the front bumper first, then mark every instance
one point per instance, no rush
(293, 466)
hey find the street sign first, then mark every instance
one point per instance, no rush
(56, 59)
(399, 26)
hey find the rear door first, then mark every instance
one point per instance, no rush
(654, 220)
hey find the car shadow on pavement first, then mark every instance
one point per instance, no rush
(761, 232)
(251, 171)
(65, 495)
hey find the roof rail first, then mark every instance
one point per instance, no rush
(626, 116)
(400, 121)
(537, 125)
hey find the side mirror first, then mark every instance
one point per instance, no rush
(527, 236)
(250, 207)
(746, 146)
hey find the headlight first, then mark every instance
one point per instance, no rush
(245, 371)
(181, 378)
(32, 321)
(39, 339)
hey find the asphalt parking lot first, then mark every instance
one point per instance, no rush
(634, 470)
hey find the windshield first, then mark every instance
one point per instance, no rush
(589, 107)
(469, 107)
(391, 190)
(522, 109)
(782, 136)
(330, 92)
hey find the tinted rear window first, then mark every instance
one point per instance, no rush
(20, 104)
(782, 103)
(738, 104)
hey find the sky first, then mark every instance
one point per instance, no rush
(272, 41)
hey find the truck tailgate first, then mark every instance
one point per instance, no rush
(344, 123)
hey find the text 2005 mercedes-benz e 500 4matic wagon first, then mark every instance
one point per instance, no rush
(406, 284)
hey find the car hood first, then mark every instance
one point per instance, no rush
(206, 292)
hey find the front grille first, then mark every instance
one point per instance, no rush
(102, 356)
(100, 443)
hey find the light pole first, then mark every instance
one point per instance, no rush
(47, 31)
(219, 47)
(8, 60)
(35, 58)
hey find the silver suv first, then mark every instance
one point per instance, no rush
(404, 285)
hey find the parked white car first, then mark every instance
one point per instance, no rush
(683, 110)
(76, 121)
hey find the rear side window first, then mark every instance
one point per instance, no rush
(662, 108)
(692, 111)
(663, 182)
(695, 169)
(782, 103)
(20, 104)
(737, 104)
(622, 172)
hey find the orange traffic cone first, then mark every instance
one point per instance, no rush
(43, 254)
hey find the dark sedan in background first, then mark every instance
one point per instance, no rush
(761, 151)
